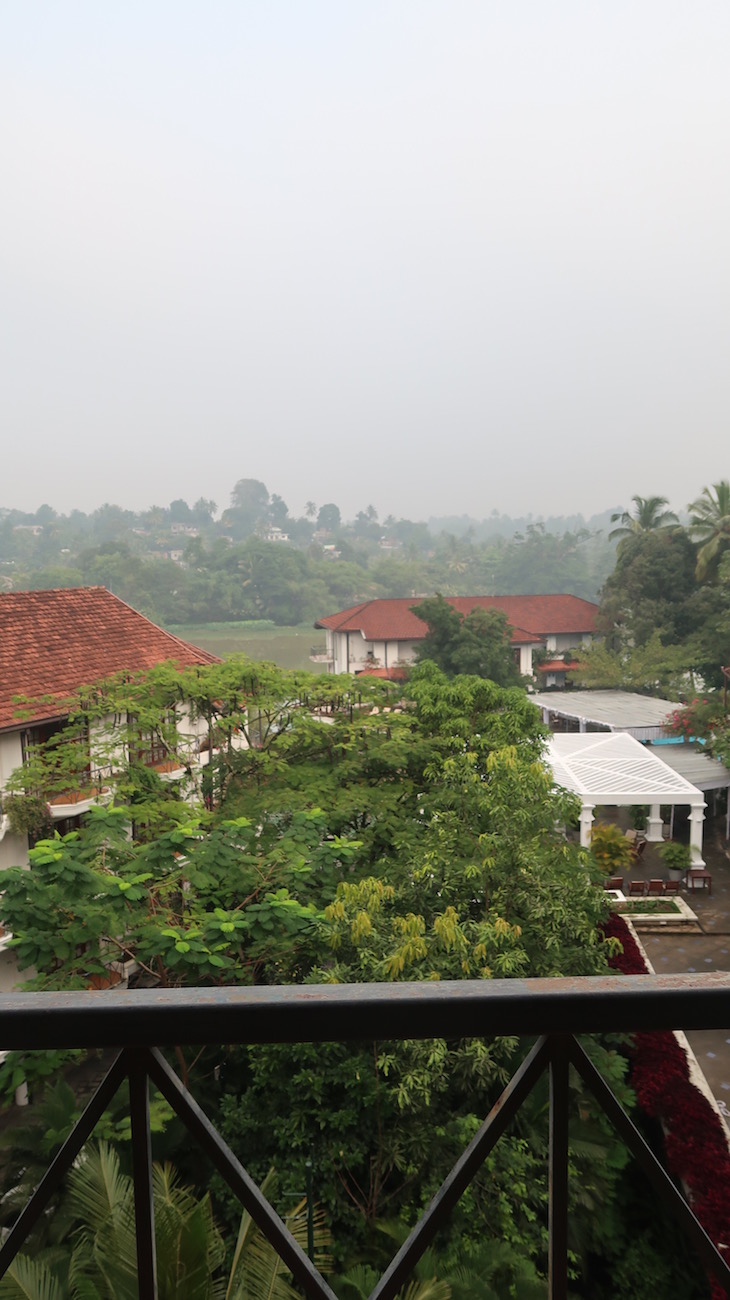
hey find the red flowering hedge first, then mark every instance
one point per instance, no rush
(695, 1139)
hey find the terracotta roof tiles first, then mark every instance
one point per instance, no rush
(531, 618)
(53, 642)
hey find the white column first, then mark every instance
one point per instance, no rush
(654, 824)
(586, 824)
(696, 818)
(581, 725)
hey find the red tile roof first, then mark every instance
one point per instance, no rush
(390, 674)
(557, 666)
(531, 618)
(53, 642)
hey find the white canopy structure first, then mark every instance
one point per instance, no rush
(614, 768)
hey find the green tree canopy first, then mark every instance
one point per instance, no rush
(477, 643)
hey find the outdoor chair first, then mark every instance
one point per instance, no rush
(614, 882)
(637, 888)
(672, 886)
(656, 888)
(637, 850)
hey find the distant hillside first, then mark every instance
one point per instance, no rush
(497, 525)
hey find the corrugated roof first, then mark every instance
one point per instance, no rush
(53, 642)
(531, 617)
(698, 768)
(642, 715)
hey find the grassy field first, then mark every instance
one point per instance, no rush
(289, 647)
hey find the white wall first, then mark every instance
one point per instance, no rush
(559, 642)
(363, 654)
(11, 754)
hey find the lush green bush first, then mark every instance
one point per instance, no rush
(610, 848)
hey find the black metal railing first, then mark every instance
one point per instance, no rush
(555, 1011)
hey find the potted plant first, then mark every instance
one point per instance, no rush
(610, 848)
(676, 858)
(28, 814)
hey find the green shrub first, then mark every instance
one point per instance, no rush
(610, 848)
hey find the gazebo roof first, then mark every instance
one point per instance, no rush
(615, 768)
(641, 715)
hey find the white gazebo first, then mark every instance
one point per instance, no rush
(615, 768)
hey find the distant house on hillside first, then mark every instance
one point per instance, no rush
(386, 633)
(52, 643)
(274, 534)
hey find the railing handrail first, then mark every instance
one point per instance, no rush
(552, 1009)
(329, 1012)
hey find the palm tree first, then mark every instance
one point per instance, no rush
(647, 516)
(257, 1272)
(710, 526)
(102, 1261)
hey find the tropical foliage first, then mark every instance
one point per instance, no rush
(370, 835)
(649, 514)
(98, 1261)
(665, 610)
(477, 643)
(710, 527)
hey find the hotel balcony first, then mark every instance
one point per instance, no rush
(552, 1012)
(319, 654)
(72, 803)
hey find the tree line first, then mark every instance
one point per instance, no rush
(181, 564)
(664, 614)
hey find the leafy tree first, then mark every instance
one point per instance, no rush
(204, 511)
(653, 668)
(249, 505)
(179, 512)
(650, 589)
(278, 511)
(329, 518)
(710, 527)
(437, 857)
(471, 880)
(477, 643)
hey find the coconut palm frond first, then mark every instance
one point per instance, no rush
(647, 516)
(100, 1191)
(710, 525)
(257, 1272)
(30, 1279)
(189, 1247)
(102, 1199)
(431, 1289)
(357, 1283)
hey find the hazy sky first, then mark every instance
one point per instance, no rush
(443, 256)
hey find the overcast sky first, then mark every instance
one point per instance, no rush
(440, 256)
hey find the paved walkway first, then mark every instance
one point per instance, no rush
(706, 948)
